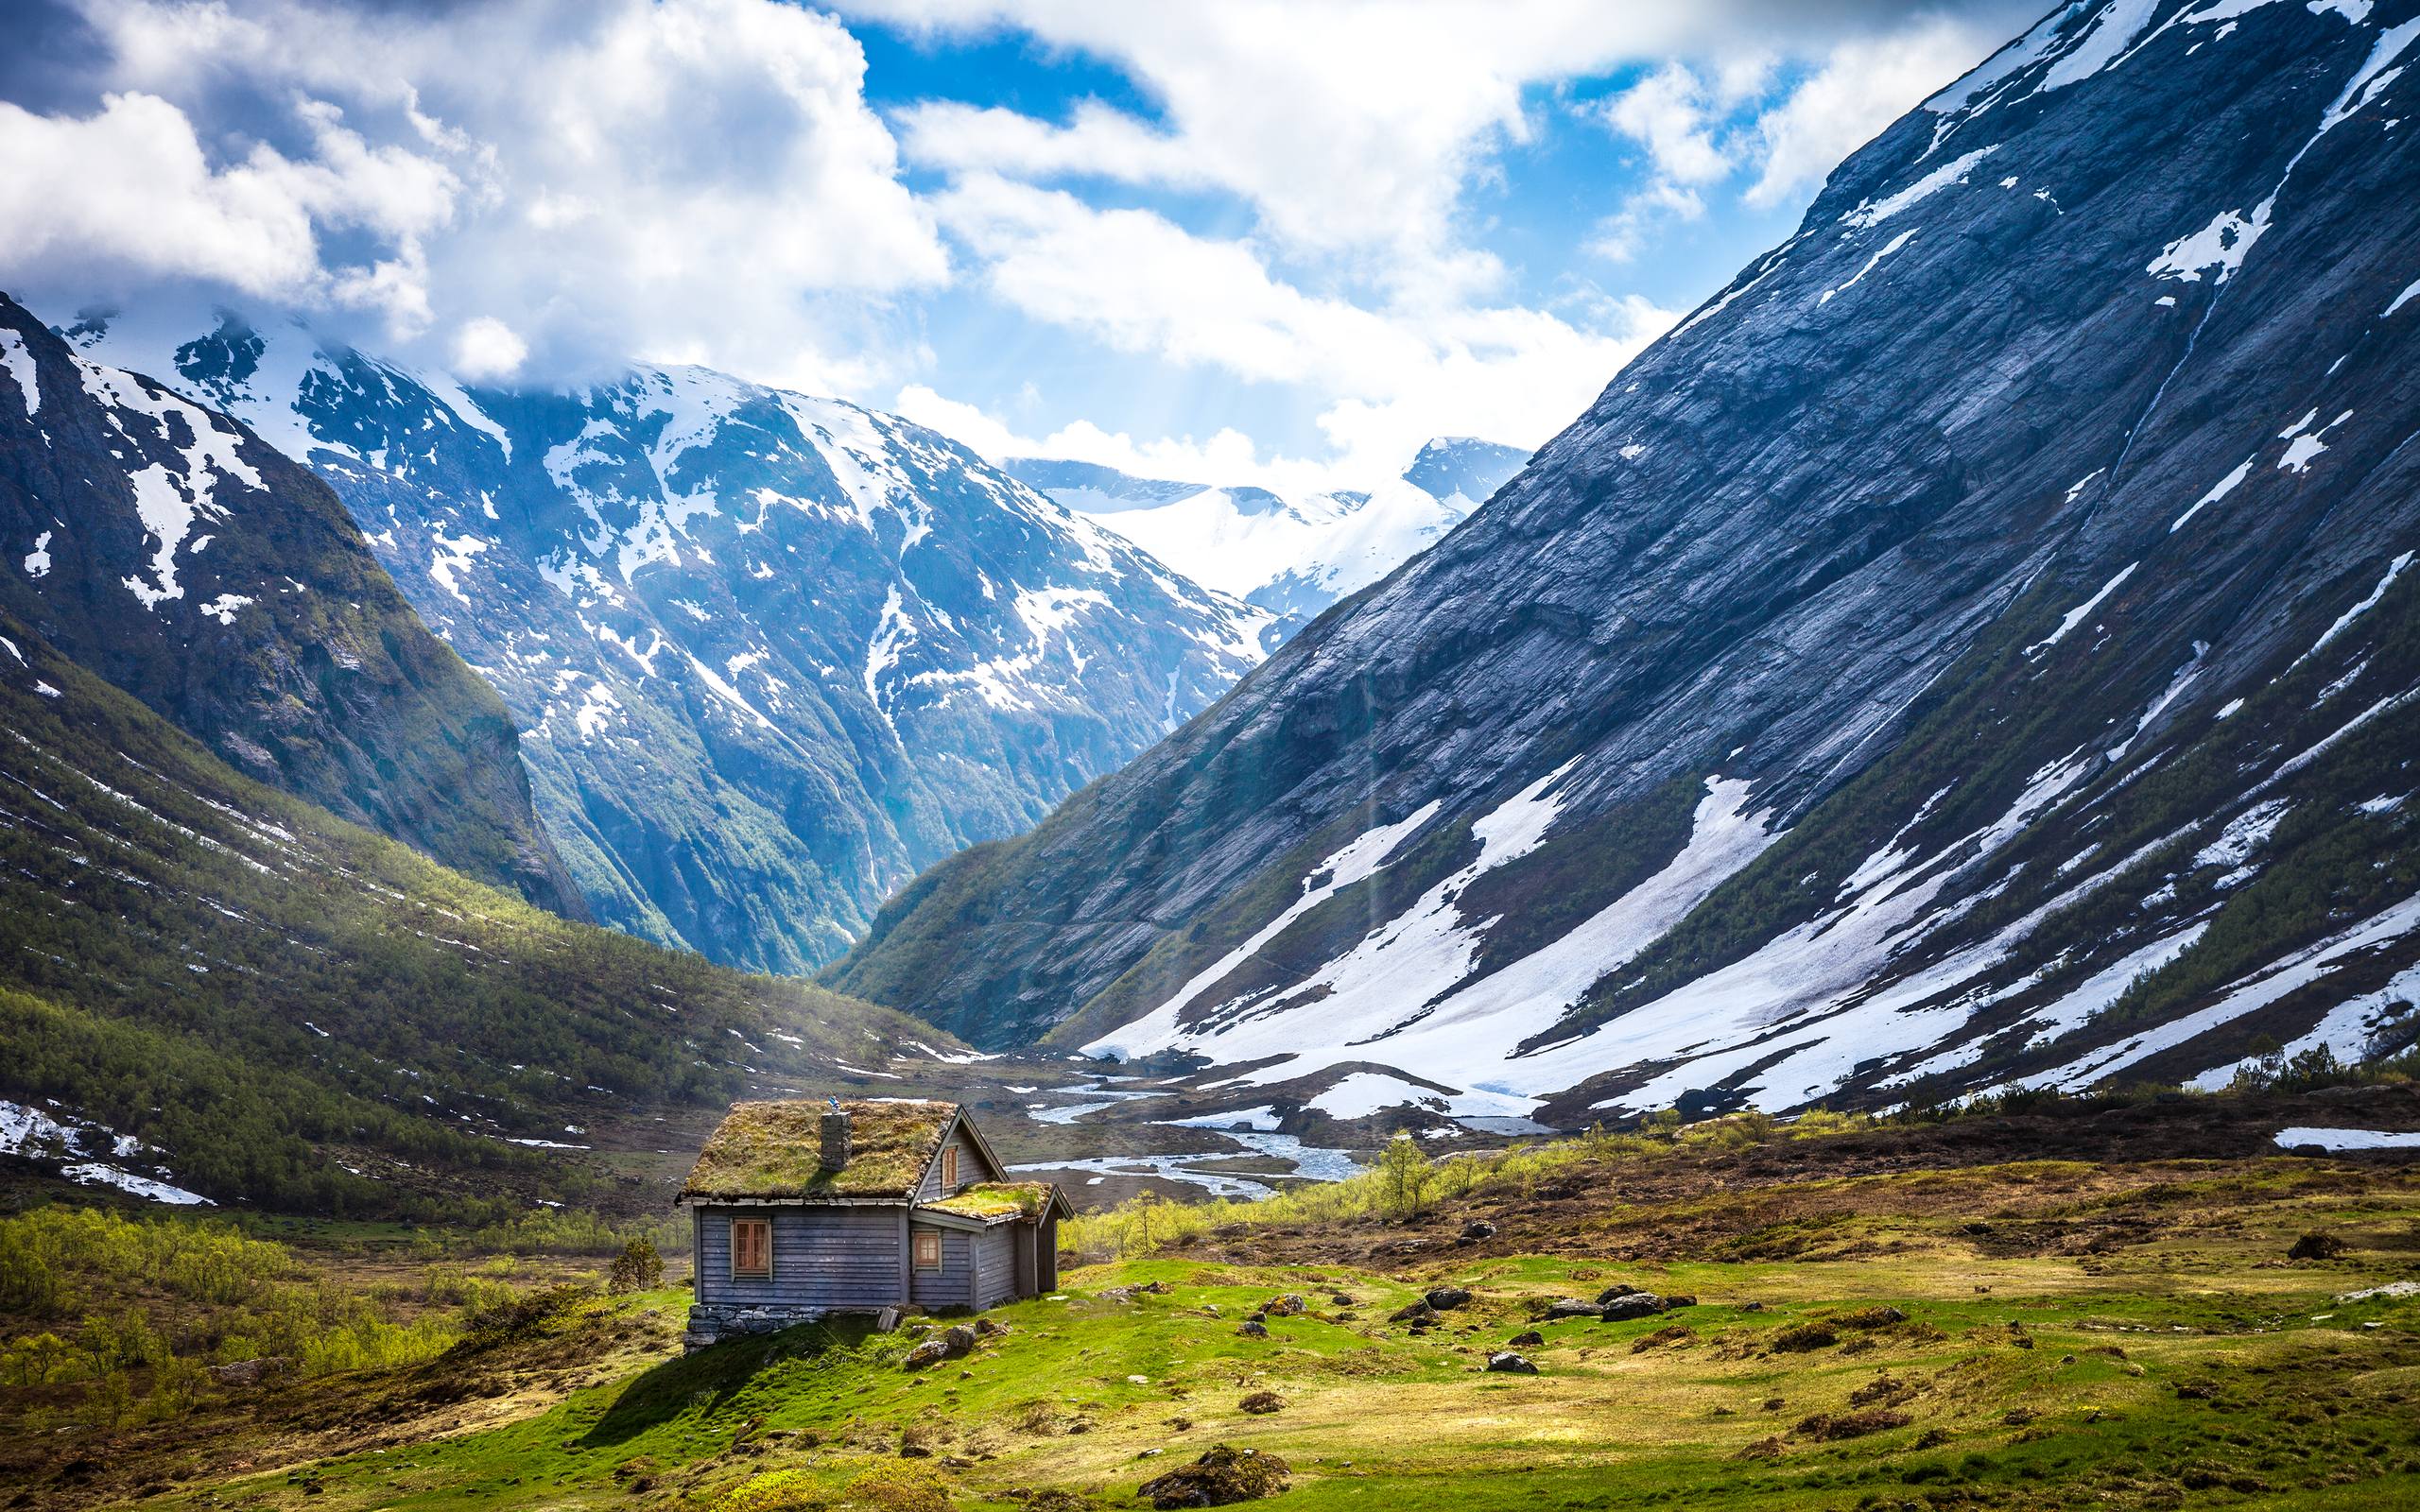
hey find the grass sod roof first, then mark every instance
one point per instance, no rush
(775, 1149)
(994, 1200)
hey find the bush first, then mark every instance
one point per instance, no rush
(900, 1485)
(781, 1491)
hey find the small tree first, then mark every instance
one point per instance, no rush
(637, 1268)
(1403, 1176)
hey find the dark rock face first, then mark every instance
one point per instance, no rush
(1976, 649)
(772, 653)
(171, 551)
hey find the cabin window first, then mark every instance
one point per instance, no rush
(949, 1166)
(752, 1248)
(929, 1249)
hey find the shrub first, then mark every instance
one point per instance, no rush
(1799, 1338)
(900, 1485)
(781, 1491)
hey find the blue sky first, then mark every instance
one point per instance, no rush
(1254, 241)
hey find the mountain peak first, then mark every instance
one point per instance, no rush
(1464, 466)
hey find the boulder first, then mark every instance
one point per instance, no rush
(1251, 1328)
(1289, 1305)
(250, 1372)
(1221, 1477)
(1478, 1229)
(1618, 1289)
(932, 1351)
(958, 1338)
(1507, 1363)
(1531, 1338)
(1414, 1312)
(1446, 1297)
(1565, 1307)
(1634, 1304)
(1341, 1298)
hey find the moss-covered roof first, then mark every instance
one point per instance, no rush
(996, 1200)
(775, 1149)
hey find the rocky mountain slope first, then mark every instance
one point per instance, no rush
(1293, 558)
(771, 653)
(1976, 646)
(174, 553)
(213, 992)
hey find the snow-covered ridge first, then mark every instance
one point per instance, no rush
(1293, 556)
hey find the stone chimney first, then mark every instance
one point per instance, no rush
(836, 1140)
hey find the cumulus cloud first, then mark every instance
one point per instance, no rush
(1382, 379)
(1354, 130)
(1861, 86)
(699, 179)
(486, 350)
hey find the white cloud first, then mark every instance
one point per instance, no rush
(1863, 86)
(1671, 114)
(695, 179)
(486, 350)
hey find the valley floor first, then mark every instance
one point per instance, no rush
(1887, 1327)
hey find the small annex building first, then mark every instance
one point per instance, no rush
(800, 1210)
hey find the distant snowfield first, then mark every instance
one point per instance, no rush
(2347, 1139)
(34, 1134)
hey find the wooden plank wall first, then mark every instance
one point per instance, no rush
(823, 1258)
(949, 1286)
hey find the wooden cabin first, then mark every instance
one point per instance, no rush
(800, 1210)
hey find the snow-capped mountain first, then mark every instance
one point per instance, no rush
(1976, 648)
(1293, 558)
(772, 652)
(172, 552)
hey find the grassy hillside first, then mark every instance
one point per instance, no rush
(280, 1007)
(1877, 1322)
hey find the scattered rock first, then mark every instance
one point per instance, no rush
(1221, 1477)
(1446, 1297)
(1752, 1306)
(932, 1351)
(990, 1329)
(1250, 1328)
(1342, 1299)
(1509, 1363)
(1617, 1290)
(1475, 1230)
(1683, 1299)
(250, 1372)
(1289, 1305)
(1563, 1307)
(1634, 1304)
(1530, 1337)
(1414, 1312)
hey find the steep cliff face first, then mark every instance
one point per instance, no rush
(772, 652)
(1975, 645)
(170, 551)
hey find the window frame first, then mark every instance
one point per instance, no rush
(949, 1165)
(922, 1241)
(738, 1274)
